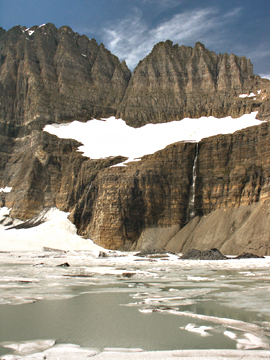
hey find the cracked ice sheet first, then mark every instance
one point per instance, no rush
(113, 137)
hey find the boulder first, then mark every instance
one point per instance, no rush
(212, 254)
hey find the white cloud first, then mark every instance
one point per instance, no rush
(132, 39)
(266, 76)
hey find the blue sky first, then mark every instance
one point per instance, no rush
(130, 28)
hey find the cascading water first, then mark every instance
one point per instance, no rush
(191, 203)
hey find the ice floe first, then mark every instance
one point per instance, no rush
(202, 330)
(170, 288)
(28, 347)
(75, 352)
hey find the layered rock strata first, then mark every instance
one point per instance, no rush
(54, 75)
(174, 82)
(145, 204)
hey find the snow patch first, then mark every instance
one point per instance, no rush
(251, 341)
(247, 95)
(265, 76)
(28, 347)
(113, 137)
(6, 189)
(202, 330)
(4, 212)
(50, 229)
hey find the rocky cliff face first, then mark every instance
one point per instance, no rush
(174, 82)
(145, 204)
(55, 75)
(232, 171)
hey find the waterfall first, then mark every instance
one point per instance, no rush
(191, 203)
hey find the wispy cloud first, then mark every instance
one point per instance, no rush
(266, 76)
(132, 39)
(259, 55)
(260, 51)
(164, 3)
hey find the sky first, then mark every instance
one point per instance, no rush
(130, 28)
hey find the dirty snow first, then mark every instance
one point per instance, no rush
(56, 231)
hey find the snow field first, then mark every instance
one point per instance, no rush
(112, 137)
(55, 232)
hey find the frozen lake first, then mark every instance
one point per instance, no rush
(128, 302)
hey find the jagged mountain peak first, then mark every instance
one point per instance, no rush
(2, 31)
(57, 75)
(174, 82)
(54, 75)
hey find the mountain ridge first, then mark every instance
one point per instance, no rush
(80, 79)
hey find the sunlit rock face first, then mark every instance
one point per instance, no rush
(50, 75)
(174, 82)
(124, 200)
(54, 75)
(114, 205)
(232, 171)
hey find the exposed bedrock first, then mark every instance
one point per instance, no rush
(55, 75)
(122, 201)
(174, 82)
(146, 204)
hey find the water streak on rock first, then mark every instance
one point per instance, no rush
(191, 203)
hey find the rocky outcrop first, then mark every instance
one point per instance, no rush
(174, 82)
(45, 171)
(249, 256)
(122, 201)
(212, 254)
